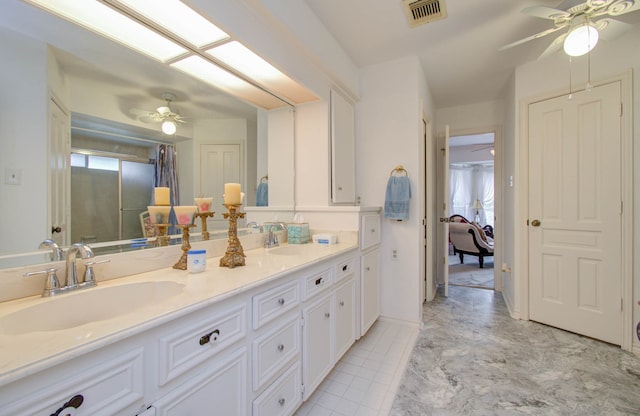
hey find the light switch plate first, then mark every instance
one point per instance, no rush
(12, 176)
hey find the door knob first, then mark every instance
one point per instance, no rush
(535, 223)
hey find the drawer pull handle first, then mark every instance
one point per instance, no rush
(281, 402)
(319, 281)
(73, 403)
(280, 347)
(345, 267)
(281, 301)
(367, 268)
(210, 337)
(327, 314)
(341, 303)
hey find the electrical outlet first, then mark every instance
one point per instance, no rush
(394, 254)
(12, 176)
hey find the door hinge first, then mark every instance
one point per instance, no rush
(621, 107)
(302, 389)
(302, 321)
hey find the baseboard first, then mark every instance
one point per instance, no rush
(400, 321)
(636, 349)
(512, 312)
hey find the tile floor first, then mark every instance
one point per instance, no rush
(365, 380)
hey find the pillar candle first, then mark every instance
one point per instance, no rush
(232, 194)
(185, 213)
(161, 196)
(204, 204)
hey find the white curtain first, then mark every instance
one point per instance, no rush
(468, 183)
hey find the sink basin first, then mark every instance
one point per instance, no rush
(84, 306)
(288, 250)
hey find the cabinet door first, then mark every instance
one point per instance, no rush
(345, 315)
(343, 172)
(370, 289)
(316, 344)
(221, 389)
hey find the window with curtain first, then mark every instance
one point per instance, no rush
(467, 184)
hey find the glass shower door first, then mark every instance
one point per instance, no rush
(136, 189)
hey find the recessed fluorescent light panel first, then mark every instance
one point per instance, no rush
(179, 19)
(206, 71)
(242, 59)
(102, 19)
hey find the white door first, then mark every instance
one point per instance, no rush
(59, 174)
(574, 213)
(443, 252)
(219, 164)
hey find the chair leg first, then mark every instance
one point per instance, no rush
(461, 257)
(481, 260)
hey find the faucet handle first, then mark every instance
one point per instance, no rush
(51, 283)
(89, 278)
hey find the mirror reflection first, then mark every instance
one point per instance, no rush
(62, 82)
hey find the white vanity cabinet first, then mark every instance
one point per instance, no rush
(369, 270)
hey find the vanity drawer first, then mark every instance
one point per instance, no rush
(273, 350)
(281, 398)
(114, 386)
(370, 231)
(272, 303)
(184, 347)
(345, 268)
(316, 283)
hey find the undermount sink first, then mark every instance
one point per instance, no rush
(84, 306)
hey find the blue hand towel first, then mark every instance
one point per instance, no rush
(396, 204)
(262, 195)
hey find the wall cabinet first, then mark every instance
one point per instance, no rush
(343, 171)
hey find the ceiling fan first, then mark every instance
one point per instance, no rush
(165, 115)
(585, 22)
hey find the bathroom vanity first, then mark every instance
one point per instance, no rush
(254, 340)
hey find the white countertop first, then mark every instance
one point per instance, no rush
(27, 353)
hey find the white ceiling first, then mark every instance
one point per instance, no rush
(459, 54)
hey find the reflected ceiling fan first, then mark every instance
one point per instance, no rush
(489, 147)
(585, 21)
(165, 115)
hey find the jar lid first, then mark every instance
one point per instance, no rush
(197, 252)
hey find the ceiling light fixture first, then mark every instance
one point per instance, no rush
(169, 127)
(581, 39)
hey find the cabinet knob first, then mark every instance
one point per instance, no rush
(280, 347)
(327, 314)
(211, 337)
(68, 409)
(281, 301)
(367, 268)
(345, 267)
(373, 230)
(281, 401)
(341, 303)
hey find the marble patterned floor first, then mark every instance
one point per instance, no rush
(470, 274)
(471, 358)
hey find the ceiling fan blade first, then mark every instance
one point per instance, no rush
(554, 47)
(610, 29)
(619, 7)
(545, 12)
(532, 37)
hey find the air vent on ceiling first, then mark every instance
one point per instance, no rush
(424, 11)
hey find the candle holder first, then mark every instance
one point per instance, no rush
(161, 234)
(203, 216)
(234, 256)
(182, 262)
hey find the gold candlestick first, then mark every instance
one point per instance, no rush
(234, 256)
(182, 262)
(203, 216)
(161, 234)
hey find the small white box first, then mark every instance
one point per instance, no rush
(325, 239)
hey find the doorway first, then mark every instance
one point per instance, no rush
(472, 200)
(474, 154)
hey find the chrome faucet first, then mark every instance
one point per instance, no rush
(56, 253)
(255, 225)
(71, 273)
(271, 240)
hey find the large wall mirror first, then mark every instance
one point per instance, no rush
(58, 74)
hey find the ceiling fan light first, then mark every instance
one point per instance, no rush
(169, 127)
(581, 40)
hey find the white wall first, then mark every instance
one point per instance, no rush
(551, 76)
(23, 142)
(388, 133)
